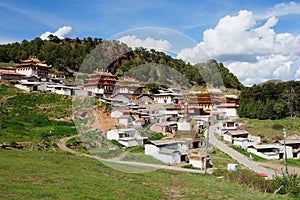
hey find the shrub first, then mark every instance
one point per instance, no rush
(277, 126)
(156, 136)
(115, 142)
(137, 149)
(284, 184)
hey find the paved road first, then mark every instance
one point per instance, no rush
(236, 155)
(62, 145)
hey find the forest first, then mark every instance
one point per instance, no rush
(85, 55)
(270, 100)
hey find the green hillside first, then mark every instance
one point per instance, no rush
(71, 55)
(46, 175)
(37, 117)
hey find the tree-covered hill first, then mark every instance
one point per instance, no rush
(270, 100)
(70, 55)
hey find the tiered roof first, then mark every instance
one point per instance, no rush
(32, 61)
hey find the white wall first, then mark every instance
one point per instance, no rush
(116, 114)
(125, 122)
(26, 72)
(183, 126)
(227, 137)
(231, 112)
(24, 87)
(196, 163)
(153, 150)
(112, 135)
(268, 156)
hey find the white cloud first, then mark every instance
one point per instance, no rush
(4, 40)
(253, 52)
(59, 33)
(148, 43)
(297, 75)
(193, 55)
(282, 9)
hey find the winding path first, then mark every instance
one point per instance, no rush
(62, 145)
(238, 156)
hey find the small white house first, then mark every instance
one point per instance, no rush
(294, 144)
(167, 151)
(229, 136)
(27, 85)
(126, 120)
(184, 126)
(198, 161)
(224, 126)
(230, 109)
(246, 142)
(128, 137)
(119, 112)
(140, 122)
(241, 142)
(267, 151)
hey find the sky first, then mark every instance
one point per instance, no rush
(255, 40)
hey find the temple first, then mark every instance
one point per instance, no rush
(101, 83)
(33, 67)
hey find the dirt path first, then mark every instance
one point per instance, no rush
(281, 168)
(62, 145)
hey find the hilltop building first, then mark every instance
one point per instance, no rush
(33, 67)
(101, 84)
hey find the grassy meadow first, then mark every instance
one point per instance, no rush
(269, 130)
(50, 175)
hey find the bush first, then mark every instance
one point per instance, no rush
(289, 185)
(156, 136)
(285, 185)
(115, 142)
(277, 126)
(137, 149)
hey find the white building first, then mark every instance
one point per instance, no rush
(229, 109)
(166, 98)
(167, 151)
(183, 126)
(270, 151)
(33, 67)
(27, 85)
(230, 135)
(128, 137)
(198, 161)
(126, 120)
(119, 112)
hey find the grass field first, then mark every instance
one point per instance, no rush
(49, 175)
(36, 117)
(272, 129)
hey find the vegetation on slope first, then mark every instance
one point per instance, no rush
(270, 130)
(36, 117)
(64, 176)
(71, 55)
(270, 100)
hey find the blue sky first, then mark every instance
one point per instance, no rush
(266, 25)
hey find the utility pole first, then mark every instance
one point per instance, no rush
(206, 151)
(285, 155)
